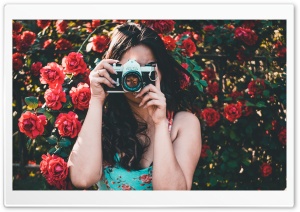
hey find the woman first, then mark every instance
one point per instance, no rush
(126, 141)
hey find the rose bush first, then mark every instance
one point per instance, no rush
(238, 93)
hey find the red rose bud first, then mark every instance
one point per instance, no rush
(81, 96)
(204, 149)
(232, 112)
(210, 116)
(248, 36)
(68, 124)
(91, 26)
(213, 88)
(256, 87)
(63, 44)
(282, 136)
(100, 43)
(208, 74)
(36, 67)
(61, 26)
(266, 169)
(52, 74)
(17, 27)
(17, 61)
(74, 63)
(209, 28)
(54, 97)
(43, 23)
(47, 43)
(31, 124)
(234, 95)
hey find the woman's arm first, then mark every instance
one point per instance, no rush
(85, 161)
(174, 163)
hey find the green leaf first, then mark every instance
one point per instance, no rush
(266, 93)
(52, 139)
(246, 161)
(232, 135)
(203, 82)
(232, 164)
(68, 103)
(52, 150)
(249, 104)
(41, 110)
(63, 154)
(32, 102)
(227, 99)
(64, 142)
(49, 117)
(29, 142)
(260, 104)
(198, 68)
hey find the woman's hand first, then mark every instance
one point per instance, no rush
(99, 76)
(154, 100)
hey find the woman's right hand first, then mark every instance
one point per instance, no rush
(101, 75)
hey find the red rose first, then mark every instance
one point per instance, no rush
(52, 74)
(282, 52)
(16, 40)
(204, 149)
(266, 169)
(213, 88)
(119, 21)
(145, 178)
(43, 23)
(248, 36)
(28, 37)
(236, 94)
(47, 43)
(55, 170)
(126, 187)
(209, 28)
(61, 26)
(68, 124)
(81, 96)
(17, 27)
(31, 124)
(74, 63)
(36, 67)
(161, 26)
(100, 43)
(22, 46)
(91, 26)
(188, 47)
(185, 65)
(54, 97)
(232, 112)
(63, 44)
(249, 24)
(184, 80)
(17, 61)
(208, 74)
(169, 42)
(282, 136)
(211, 116)
(256, 87)
(243, 55)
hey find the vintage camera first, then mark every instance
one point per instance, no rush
(131, 77)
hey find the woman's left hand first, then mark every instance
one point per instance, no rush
(154, 100)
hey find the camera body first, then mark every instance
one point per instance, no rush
(131, 77)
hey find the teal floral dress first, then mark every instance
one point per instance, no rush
(117, 178)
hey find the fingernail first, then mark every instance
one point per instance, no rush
(115, 72)
(114, 82)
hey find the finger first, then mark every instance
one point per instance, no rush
(102, 80)
(146, 89)
(155, 102)
(158, 77)
(106, 64)
(104, 73)
(148, 97)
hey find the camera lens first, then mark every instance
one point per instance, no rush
(132, 80)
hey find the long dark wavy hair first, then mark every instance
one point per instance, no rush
(120, 127)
